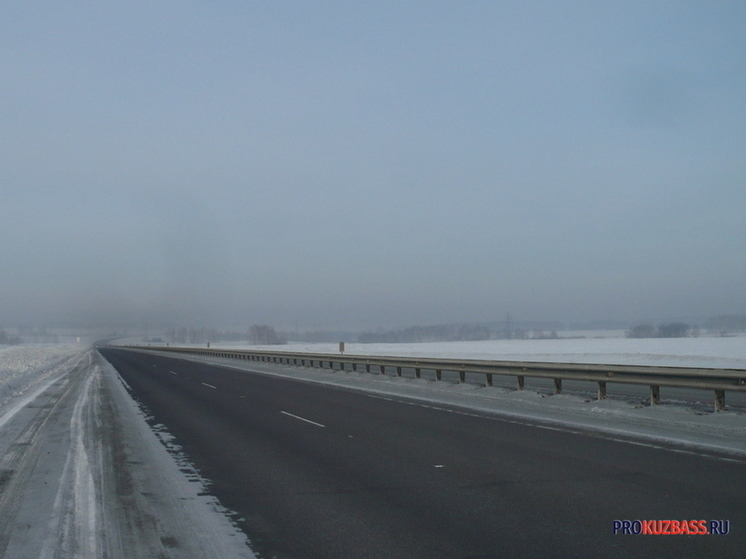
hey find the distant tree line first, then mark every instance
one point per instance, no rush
(668, 330)
(6, 339)
(437, 333)
(255, 335)
(262, 334)
(195, 335)
(203, 335)
(321, 336)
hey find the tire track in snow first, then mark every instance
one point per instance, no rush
(74, 527)
(82, 476)
(24, 446)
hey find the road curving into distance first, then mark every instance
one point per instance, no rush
(322, 472)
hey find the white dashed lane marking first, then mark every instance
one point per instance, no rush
(303, 419)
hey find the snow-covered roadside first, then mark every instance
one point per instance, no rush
(82, 475)
(166, 500)
(690, 430)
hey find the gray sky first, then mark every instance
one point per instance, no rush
(363, 164)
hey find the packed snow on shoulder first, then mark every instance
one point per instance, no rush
(83, 475)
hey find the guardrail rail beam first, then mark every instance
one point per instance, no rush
(717, 380)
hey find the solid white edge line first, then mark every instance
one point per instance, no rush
(210, 386)
(302, 419)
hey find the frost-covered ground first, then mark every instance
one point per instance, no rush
(82, 475)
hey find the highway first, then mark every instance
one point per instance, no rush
(323, 472)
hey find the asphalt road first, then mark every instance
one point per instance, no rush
(322, 472)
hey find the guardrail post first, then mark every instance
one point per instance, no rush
(438, 374)
(601, 389)
(383, 369)
(720, 400)
(558, 386)
(367, 367)
(398, 371)
(462, 376)
(655, 394)
(417, 373)
(488, 381)
(354, 366)
(521, 381)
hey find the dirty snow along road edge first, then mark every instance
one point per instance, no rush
(86, 477)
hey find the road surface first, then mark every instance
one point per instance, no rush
(322, 472)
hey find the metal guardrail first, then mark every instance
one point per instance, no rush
(718, 380)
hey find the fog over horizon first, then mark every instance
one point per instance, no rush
(355, 165)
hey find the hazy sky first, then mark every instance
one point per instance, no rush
(363, 164)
